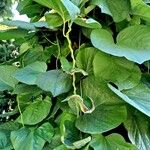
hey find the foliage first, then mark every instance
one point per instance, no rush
(82, 76)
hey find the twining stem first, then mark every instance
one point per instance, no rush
(67, 35)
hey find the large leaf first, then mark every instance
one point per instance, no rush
(24, 25)
(118, 9)
(102, 119)
(30, 73)
(99, 92)
(55, 81)
(63, 8)
(132, 42)
(120, 71)
(138, 126)
(12, 34)
(7, 82)
(138, 97)
(111, 142)
(35, 112)
(26, 139)
(139, 8)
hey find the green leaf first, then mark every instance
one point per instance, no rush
(46, 131)
(118, 9)
(72, 9)
(69, 133)
(100, 92)
(102, 119)
(54, 20)
(88, 23)
(65, 65)
(12, 34)
(24, 25)
(30, 73)
(120, 71)
(36, 111)
(26, 89)
(138, 97)
(7, 82)
(132, 43)
(55, 81)
(139, 8)
(57, 6)
(84, 59)
(64, 8)
(138, 126)
(5, 143)
(111, 142)
(26, 139)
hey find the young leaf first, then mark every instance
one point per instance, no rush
(55, 81)
(84, 59)
(36, 112)
(132, 43)
(102, 119)
(30, 73)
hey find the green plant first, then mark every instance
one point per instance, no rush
(82, 79)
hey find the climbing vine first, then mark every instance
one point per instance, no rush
(76, 76)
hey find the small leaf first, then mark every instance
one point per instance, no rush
(84, 59)
(54, 20)
(36, 111)
(45, 131)
(55, 81)
(30, 73)
(66, 65)
(7, 82)
(88, 23)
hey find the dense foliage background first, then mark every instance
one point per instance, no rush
(76, 76)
